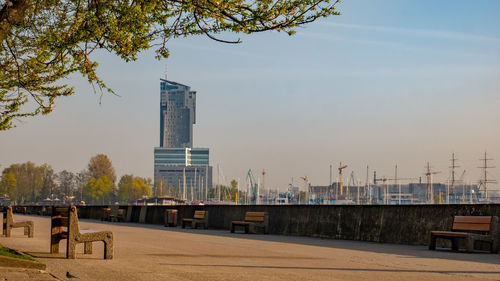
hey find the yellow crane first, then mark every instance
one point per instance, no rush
(341, 167)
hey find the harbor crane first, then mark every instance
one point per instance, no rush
(430, 191)
(254, 190)
(306, 183)
(341, 167)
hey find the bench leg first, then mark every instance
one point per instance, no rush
(54, 246)
(232, 228)
(183, 224)
(108, 246)
(247, 228)
(30, 229)
(454, 244)
(71, 249)
(432, 242)
(494, 247)
(469, 244)
(87, 248)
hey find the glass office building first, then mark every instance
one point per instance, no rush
(169, 156)
(177, 114)
(176, 163)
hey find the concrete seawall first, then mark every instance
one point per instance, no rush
(404, 224)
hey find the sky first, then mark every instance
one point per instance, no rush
(385, 83)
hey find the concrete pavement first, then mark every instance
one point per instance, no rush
(153, 252)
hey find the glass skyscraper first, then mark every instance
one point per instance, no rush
(176, 163)
(177, 114)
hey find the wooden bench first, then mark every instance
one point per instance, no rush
(8, 224)
(252, 221)
(64, 225)
(471, 229)
(200, 217)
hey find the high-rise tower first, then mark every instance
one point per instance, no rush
(178, 166)
(177, 114)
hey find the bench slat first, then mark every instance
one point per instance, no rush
(89, 230)
(468, 219)
(62, 211)
(241, 222)
(257, 219)
(449, 233)
(472, 226)
(60, 222)
(255, 214)
(199, 214)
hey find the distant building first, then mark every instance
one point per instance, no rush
(176, 163)
(177, 114)
(177, 166)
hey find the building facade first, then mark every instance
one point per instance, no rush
(176, 163)
(177, 114)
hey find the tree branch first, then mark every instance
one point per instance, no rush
(12, 13)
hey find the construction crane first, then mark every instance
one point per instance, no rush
(263, 189)
(253, 186)
(306, 183)
(341, 167)
(430, 191)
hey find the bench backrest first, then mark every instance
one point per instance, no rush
(255, 216)
(66, 217)
(199, 215)
(472, 223)
(7, 215)
(120, 212)
(113, 210)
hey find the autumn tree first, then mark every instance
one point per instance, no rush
(8, 185)
(98, 191)
(100, 166)
(131, 188)
(34, 183)
(44, 41)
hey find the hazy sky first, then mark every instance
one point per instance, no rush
(385, 83)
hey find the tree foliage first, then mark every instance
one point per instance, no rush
(66, 183)
(33, 183)
(132, 188)
(8, 185)
(43, 41)
(100, 166)
(98, 191)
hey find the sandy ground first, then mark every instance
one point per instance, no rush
(153, 252)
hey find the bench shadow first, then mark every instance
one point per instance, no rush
(334, 268)
(174, 255)
(405, 251)
(46, 255)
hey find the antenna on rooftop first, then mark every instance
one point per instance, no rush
(166, 71)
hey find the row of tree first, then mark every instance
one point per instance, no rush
(29, 183)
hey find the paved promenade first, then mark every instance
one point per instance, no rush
(151, 252)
